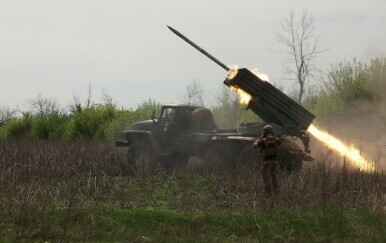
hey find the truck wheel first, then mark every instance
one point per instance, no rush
(142, 157)
(289, 162)
(219, 157)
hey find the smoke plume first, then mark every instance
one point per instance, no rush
(363, 125)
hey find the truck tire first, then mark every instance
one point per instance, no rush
(290, 155)
(289, 162)
(219, 157)
(142, 157)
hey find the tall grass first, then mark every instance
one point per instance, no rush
(68, 190)
(32, 171)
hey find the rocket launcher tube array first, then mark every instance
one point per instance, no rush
(276, 106)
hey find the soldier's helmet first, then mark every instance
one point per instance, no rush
(267, 129)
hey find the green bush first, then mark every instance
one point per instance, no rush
(107, 121)
(377, 78)
(96, 122)
(91, 122)
(48, 127)
(124, 118)
(349, 84)
(17, 128)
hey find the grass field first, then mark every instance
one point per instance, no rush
(85, 191)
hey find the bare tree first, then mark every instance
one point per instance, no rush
(44, 106)
(6, 114)
(107, 99)
(88, 102)
(76, 106)
(194, 94)
(301, 44)
(79, 104)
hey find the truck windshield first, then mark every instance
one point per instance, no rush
(168, 113)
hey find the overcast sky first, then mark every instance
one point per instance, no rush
(57, 48)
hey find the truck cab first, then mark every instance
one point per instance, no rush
(174, 121)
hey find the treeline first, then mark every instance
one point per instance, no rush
(346, 86)
(102, 121)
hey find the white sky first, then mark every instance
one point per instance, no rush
(57, 48)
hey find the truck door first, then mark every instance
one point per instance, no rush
(167, 123)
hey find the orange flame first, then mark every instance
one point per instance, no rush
(243, 96)
(352, 153)
(260, 75)
(232, 72)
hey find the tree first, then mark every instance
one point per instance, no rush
(78, 105)
(301, 44)
(88, 102)
(194, 94)
(6, 114)
(107, 99)
(44, 106)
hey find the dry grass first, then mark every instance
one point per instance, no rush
(69, 173)
(68, 190)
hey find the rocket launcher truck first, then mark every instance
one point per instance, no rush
(183, 131)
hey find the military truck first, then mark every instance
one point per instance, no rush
(183, 131)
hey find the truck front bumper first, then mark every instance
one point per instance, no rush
(121, 143)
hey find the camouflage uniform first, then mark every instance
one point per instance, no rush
(269, 148)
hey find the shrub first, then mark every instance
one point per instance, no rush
(124, 118)
(17, 128)
(349, 84)
(91, 122)
(48, 127)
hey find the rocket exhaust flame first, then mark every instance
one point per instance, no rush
(244, 97)
(350, 152)
(232, 72)
(260, 75)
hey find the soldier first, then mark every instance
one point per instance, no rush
(268, 147)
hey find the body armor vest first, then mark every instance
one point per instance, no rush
(270, 148)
